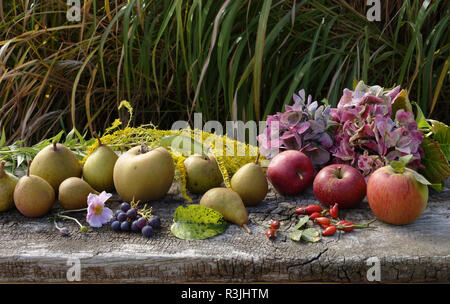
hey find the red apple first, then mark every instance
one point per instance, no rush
(290, 172)
(396, 197)
(340, 184)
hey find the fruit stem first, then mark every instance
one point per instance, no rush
(257, 159)
(28, 168)
(54, 146)
(299, 174)
(339, 173)
(247, 229)
(98, 138)
(2, 169)
(143, 149)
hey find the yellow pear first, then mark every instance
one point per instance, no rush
(55, 163)
(33, 195)
(73, 193)
(99, 168)
(228, 203)
(250, 183)
(7, 184)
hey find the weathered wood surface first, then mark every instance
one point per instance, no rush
(33, 251)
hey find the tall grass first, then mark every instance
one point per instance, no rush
(239, 59)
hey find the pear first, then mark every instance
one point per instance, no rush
(250, 183)
(228, 203)
(33, 195)
(144, 174)
(202, 173)
(7, 184)
(99, 168)
(55, 163)
(73, 193)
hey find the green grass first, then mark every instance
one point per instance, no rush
(170, 59)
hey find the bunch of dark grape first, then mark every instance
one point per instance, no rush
(128, 219)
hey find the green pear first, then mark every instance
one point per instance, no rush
(250, 183)
(55, 163)
(99, 168)
(7, 184)
(73, 193)
(228, 203)
(33, 195)
(202, 173)
(144, 174)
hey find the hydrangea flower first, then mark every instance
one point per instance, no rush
(368, 138)
(98, 214)
(303, 126)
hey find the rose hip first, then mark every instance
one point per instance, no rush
(344, 225)
(270, 233)
(310, 209)
(314, 215)
(334, 211)
(322, 220)
(275, 224)
(329, 231)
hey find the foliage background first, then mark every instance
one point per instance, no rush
(233, 59)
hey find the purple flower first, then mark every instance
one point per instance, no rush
(98, 214)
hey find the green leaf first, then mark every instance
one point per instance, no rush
(406, 158)
(401, 101)
(420, 178)
(196, 222)
(441, 134)
(3, 138)
(301, 222)
(398, 166)
(311, 235)
(437, 168)
(296, 235)
(421, 121)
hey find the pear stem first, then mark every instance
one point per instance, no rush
(98, 138)
(54, 146)
(247, 229)
(28, 168)
(257, 159)
(2, 169)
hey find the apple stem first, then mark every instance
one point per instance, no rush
(144, 148)
(247, 229)
(299, 175)
(2, 169)
(339, 173)
(54, 146)
(28, 168)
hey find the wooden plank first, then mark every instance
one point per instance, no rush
(33, 251)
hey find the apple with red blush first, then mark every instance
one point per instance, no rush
(341, 184)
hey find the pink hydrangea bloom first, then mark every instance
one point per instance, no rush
(98, 214)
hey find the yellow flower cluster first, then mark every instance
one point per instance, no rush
(230, 154)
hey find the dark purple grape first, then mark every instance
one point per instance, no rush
(125, 226)
(141, 222)
(125, 207)
(147, 231)
(117, 212)
(131, 214)
(122, 217)
(135, 227)
(155, 222)
(115, 225)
